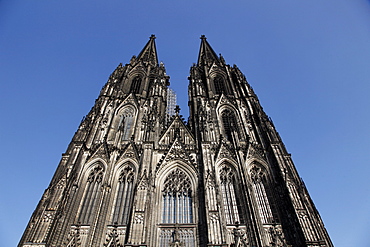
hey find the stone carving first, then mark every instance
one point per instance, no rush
(256, 174)
(139, 218)
(240, 237)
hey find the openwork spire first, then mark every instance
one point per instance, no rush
(206, 54)
(149, 52)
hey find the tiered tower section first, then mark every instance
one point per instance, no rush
(101, 186)
(253, 194)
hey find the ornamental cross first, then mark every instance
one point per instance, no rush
(177, 109)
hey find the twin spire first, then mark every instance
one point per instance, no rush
(206, 53)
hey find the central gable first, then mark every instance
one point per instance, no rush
(177, 129)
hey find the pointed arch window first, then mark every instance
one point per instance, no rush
(258, 184)
(126, 123)
(229, 190)
(219, 85)
(177, 202)
(124, 196)
(229, 124)
(92, 192)
(135, 85)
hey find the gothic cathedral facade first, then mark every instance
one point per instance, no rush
(136, 175)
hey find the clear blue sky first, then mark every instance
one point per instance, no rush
(308, 61)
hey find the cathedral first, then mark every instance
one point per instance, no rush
(137, 174)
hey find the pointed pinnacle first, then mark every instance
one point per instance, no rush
(206, 54)
(149, 52)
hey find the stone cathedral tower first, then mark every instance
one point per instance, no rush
(135, 176)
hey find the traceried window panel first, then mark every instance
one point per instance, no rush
(229, 124)
(126, 123)
(258, 184)
(125, 189)
(229, 190)
(219, 84)
(122, 127)
(177, 211)
(177, 199)
(135, 85)
(177, 237)
(92, 193)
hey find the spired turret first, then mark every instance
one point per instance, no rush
(135, 176)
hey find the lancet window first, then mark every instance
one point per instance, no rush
(258, 184)
(229, 124)
(177, 199)
(124, 196)
(135, 85)
(126, 123)
(92, 192)
(229, 190)
(219, 84)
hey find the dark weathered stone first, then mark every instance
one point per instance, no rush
(134, 175)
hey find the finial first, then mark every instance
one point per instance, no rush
(222, 58)
(152, 36)
(203, 37)
(133, 59)
(177, 109)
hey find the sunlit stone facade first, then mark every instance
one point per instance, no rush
(135, 176)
